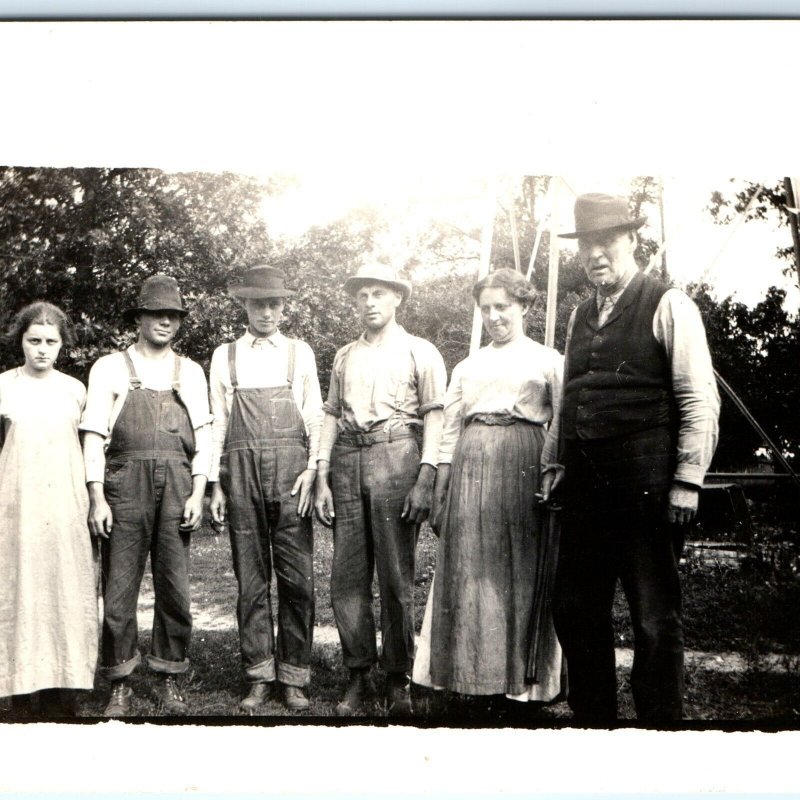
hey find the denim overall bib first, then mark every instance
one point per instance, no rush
(265, 451)
(147, 482)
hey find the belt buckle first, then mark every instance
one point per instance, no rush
(364, 440)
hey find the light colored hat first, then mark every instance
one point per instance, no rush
(261, 282)
(158, 293)
(598, 213)
(378, 273)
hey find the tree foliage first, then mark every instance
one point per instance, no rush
(758, 202)
(757, 352)
(87, 238)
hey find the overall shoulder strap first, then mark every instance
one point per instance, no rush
(133, 379)
(292, 355)
(232, 364)
(176, 375)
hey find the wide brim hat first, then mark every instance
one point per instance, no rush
(261, 283)
(378, 273)
(158, 293)
(602, 213)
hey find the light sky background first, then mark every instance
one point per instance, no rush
(737, 259)
(359, 103)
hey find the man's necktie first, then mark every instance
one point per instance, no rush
(605, 311)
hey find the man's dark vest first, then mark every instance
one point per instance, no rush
(617, 378)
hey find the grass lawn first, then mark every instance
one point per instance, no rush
(727, 609)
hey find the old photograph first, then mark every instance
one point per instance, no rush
(501, 446)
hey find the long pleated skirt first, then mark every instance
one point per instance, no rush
(491, 625)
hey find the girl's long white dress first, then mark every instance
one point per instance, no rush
(48, 597)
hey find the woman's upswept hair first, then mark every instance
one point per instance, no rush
(515, 285)
(39, 313)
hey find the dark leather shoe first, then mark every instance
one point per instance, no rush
(398, 695)
(258, 695)
(353, 698)
(22, 705)
(169, 698)
(295, 698)
(119, 704)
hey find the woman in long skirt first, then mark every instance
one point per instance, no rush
(48, 599)
(491, 629)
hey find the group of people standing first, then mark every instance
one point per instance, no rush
(627, 421)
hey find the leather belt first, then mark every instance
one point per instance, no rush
(361, 439)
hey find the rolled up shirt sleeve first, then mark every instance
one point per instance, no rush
(96, 418)
(678, 326)
(333, 402)
(431, 378)
(312, 402)
(100, 398)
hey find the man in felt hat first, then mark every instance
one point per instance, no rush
(638, 428)
(267, 408)
(147, 446)
(386, 396)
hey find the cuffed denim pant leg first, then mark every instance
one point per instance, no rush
(147, 497)
(266, 533)
(369, 486)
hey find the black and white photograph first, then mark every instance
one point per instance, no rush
(434, 399)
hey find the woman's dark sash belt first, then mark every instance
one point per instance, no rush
(499, 419)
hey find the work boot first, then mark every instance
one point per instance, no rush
(258, 695)
(119, 704)
(354, 696)
(295, 698)
(398, 695)
(169, 698)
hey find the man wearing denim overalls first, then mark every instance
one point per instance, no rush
(385, 400)
(146, 448)
(267, 408)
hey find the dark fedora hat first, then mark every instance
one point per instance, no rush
(158, 293)
(600, 213)
(259, 283)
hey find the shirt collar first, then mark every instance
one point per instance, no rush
(600, 299)
(258, 342)
(396, 332)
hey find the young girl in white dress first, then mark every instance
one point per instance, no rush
(48, 599)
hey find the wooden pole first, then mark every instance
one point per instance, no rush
(483, 266)
(552, 270)
(514, 236)
(548, 204)
(791, 202)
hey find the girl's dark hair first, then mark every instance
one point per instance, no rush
(515, 285)
(39, 313)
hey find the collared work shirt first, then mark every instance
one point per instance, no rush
(678, 327)
(384, 385)
(109, 383)
(263, 362)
